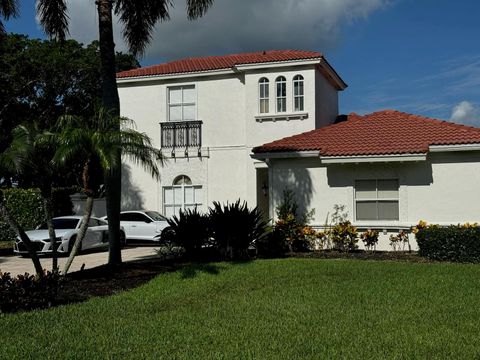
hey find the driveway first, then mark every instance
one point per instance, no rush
(19, 265)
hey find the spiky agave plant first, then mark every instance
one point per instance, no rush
(235, 228)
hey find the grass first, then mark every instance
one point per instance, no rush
(269, 309)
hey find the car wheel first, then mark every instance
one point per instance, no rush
(71, 242)
(123, 239)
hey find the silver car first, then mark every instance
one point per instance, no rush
(66, 230)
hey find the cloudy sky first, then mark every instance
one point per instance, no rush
(419, 56)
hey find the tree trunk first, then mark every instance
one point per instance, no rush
(111, 102)
(81, 233)
(21, 234)
(47, 204)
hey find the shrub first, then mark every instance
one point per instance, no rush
(190, 230)
(399, 241)
(27, 292)
(26, 206)
(460, 243)
(344, 236)
(370, 239)
(235, 228)
(292, 226)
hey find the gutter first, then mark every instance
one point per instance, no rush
(452, 148)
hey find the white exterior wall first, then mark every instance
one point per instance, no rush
(326, 105)
(442, 190)
(228, 106)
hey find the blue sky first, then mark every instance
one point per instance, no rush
(418, 56)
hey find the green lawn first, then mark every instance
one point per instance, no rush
(276, 309)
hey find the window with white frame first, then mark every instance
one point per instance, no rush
(182, 103)
(376, 199)
(182, 195)
(281, 84)
(263, 88)
(298, 93)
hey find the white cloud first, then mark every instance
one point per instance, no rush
(466, 113)
(235, 26)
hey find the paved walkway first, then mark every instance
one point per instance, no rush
(18, 265)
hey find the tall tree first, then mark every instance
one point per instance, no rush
(31, 151)
(94, 142)
(139, 19)
(44, 79)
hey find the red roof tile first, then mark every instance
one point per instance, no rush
(219, 62)
(387, 132)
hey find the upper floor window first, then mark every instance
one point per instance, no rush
(263, 85)
(298, 93)
(181, 103)
(376, 199)
(281, 84)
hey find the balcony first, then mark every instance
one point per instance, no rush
(181, 135)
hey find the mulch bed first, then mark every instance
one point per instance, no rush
(104, 280)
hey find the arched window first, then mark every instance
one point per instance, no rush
(182, 195)
(182, 180)
(281, 84)
(298, 93)
(263, 87)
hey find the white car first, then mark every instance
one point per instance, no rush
(142, 224)
(66, 230)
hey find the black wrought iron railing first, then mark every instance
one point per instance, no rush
(181, 134)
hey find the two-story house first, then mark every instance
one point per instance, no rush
(206, 114)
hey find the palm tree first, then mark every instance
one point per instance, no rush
(95, 143)
(139, 19)
(31, 152)
(8, 9)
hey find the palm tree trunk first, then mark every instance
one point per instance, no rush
(21, 234)
(110, 101)
(47, 204)
(81, 233)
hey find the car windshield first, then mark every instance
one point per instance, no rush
(156, 216)
(61, 224)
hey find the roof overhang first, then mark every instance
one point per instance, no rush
(340, 159)
(286, 155)
(174, 76)
(372, 158)
(458, 147)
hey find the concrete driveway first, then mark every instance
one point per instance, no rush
(18, 265)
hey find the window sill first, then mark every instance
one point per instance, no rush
(281, 117)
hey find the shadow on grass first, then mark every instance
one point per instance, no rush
(192, 270)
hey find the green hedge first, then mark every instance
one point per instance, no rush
(453, 243)
(26, 207)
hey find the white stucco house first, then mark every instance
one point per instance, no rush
(207, 114)
(251, 125)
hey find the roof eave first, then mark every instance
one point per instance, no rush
(285, 154)
(143, 78)
(373, 158)
(454, 147)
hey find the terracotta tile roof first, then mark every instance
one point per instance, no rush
(386, 132)
(219, 62)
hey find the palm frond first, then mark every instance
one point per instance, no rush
(197, 8)
(8, 9)
(139, 18)
(54, 17)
